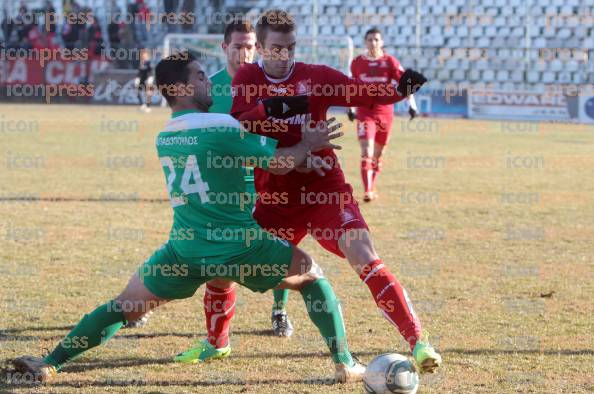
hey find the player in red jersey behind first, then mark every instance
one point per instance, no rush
(374, 124)
(274, 97)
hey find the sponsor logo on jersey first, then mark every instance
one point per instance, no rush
(278, 89)
(303, 87)
(369, 79)
(346, 216)
(295, 119)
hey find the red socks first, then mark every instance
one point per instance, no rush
(370, 168)
(219, 308)
(376, 166)
(392, 300)
(367, 173)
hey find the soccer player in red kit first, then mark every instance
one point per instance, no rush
(374, 124)
(274, 97)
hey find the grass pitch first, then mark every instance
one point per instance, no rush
(489, 225)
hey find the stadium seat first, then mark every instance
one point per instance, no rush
(459, 75)
(474, 75)
(488, 76)
(576, 78)
(571, 66)
(564, 77)
(548, 77)
(517, 76)
(539, 42)
(443, 75)
(430, 74)
(502, 75)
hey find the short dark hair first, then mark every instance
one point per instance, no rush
(373, 30)
(171, 71)
(239, 25)
(274, 20)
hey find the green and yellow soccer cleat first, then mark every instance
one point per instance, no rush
(426, 358)
(202, 351)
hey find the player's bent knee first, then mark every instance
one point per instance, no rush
(136, 299)
(300, 263)
(302, 272)
(358, 249)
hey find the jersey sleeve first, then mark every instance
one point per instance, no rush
(256, 150)
(397, 69)
(244, 98)
(352, 92)
(354, 70)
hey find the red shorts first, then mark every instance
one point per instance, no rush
(326, 221)
(377, 128)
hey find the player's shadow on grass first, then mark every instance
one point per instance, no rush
(88, 364)
(11, 334)
(546, 352)
(321, 381)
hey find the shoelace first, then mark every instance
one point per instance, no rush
(281, 321)
(356, 359)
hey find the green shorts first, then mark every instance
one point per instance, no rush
(259, 267)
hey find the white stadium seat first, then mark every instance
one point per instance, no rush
(502, 75)
(488, 76)
(517, 76)
(443, 75)
(564, 77)
(548, 77)
(474, 75)
(459, 75)
(577, 78)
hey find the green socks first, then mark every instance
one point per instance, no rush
(324, 311)
(93, 330)
(280, 299)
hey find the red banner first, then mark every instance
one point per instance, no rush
(62, 80)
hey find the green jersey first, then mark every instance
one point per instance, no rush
(221, 92)
(202, 155)
(221, 103)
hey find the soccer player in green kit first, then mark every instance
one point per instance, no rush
(211, 237)
(239, 45)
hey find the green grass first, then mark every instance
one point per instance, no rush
(497, 215)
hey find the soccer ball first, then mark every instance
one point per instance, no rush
(390, 373)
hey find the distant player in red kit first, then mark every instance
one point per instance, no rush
(274, 97)
(374, 124)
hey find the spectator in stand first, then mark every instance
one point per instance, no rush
(188, 16)
(35, 38)
(50, 18)
(7, 28)
(170, 7)
(142, 14)
(70, 32)
(114, 35)
(127, 34)
(93, 36)
(23, 24)
(50, 25)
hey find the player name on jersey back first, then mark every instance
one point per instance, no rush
(177, 140)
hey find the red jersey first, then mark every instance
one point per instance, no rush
(325, 87)
(382, 70)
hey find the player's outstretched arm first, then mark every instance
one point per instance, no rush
(315, 136)
(352, 92)
(410, 82)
